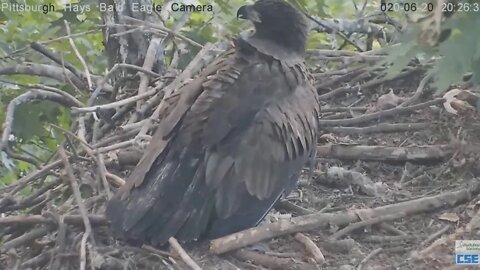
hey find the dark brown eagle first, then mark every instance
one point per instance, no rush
(234, 140)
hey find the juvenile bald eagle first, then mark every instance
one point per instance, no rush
(233, 142)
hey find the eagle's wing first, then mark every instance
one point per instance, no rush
(237, 138)
(177, 106)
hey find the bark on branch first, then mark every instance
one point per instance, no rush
(414, 154)
(319, 220)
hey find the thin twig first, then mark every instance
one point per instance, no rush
(150, 58)
(83, 250)
(183, 254)
(435, 235)
(311, 247)
(349, 88)
(380, 128)
(367, 222)
(102, 171)
(43, 50)
(116, 104)
(83, 211)
(368, 258)
(79, 56)
(418, 92)
(76, 220)
(117, 180)
(377, 115)
(271, 262)
(25, 238)
(116, 146)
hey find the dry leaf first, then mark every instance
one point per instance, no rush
(460, 101)
(452, 217)
(388, 101)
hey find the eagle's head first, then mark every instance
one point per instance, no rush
(278, 21)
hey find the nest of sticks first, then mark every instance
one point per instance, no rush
(60, 223)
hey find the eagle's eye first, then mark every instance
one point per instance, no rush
(247, 12)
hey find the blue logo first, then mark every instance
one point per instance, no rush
(467, 259)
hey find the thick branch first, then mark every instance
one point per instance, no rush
(377, 115)
(57, 73)
(319, 220)
(382, 127)
(76, 220)
(27, 97)
(45, 51)
(48, 71)
(414, 154)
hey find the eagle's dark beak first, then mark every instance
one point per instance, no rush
(248, 13)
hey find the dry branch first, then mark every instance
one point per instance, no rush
(435, 235)
(368, 258)
(343, 109)
(367, 222)
(43, 70)
(183, 254)
(413, 154)
(76, 192)
(35, 175)
(271, 262)
(116, 104)
(380, 128)
(314, 221)
(25, 238)
(418, 93)
(378, 115)
(76, 220)
(350, 89)
(27, 97)
(148, 63)
(79, 56)
(45, 51)
(311, 247)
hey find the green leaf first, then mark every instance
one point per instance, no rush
(7, 177)
(460, 52)
(399, 57)
(31, 118)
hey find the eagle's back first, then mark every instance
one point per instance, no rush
(232, 141)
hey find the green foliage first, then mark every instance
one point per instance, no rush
(460, 52)
(31, 119)
(33, 135)
(400, 55)
(455, 56)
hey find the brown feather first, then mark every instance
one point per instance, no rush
(230, 142)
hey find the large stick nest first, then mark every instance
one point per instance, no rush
(389, 156)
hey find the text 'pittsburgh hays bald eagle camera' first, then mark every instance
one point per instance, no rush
(233, 140)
